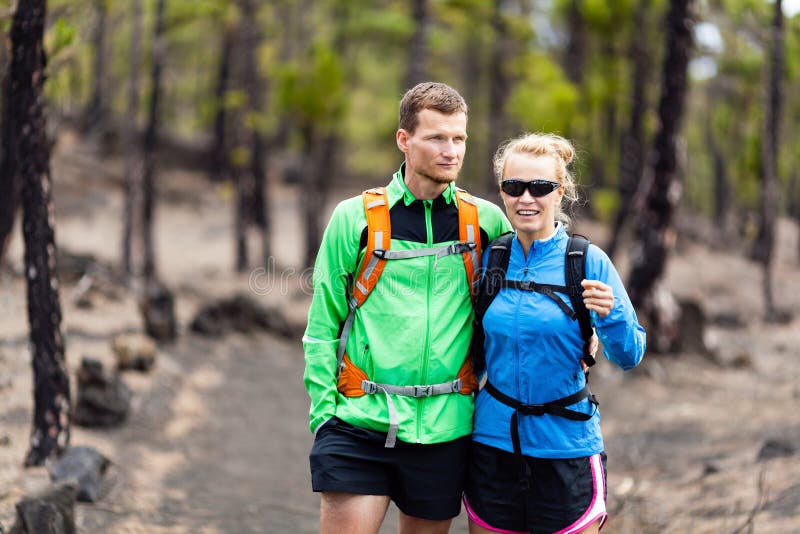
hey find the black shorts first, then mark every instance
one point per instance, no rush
(562, 496)
(424, 481)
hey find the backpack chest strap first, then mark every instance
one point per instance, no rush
(458, 247)
(548, 290)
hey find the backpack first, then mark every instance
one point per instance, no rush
(493, 281)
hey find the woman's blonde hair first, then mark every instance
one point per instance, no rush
(543, 144)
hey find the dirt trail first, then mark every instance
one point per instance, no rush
(217, 439)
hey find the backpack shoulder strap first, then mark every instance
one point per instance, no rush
(469, 231)
(379, 235)
(575, 272)
(494, 273)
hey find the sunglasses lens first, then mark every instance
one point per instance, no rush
(537, 188)
(540, 189)
(515, 188)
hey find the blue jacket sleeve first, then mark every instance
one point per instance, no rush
(623, 338)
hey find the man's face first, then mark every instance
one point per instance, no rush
(435, 151)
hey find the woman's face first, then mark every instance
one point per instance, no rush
(532, 217)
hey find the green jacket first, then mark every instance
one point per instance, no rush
(413, 329)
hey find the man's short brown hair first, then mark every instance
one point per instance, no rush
(429, 95)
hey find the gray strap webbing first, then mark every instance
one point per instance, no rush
(391, 435)
(444, 250)
(348, 325)
(371, 388)
(454, 386)
(416, 253)
(353, 304)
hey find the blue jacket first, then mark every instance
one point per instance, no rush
(533, 352)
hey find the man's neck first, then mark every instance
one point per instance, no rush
(423, 188)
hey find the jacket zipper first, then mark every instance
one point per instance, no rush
(426, 354)
(520, 300)
(518, 362)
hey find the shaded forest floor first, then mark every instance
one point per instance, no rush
(217, 442)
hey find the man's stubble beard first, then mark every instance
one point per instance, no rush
(444, 180)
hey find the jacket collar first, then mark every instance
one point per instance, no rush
(540, 246)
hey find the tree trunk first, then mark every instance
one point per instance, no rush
(261, 198)
(9, 184)
(254, 87)
(219, 154)
(51, 422)
(149, 143)
(95, 110)
(323, 143)
(133, 162)
(418, 48)
(156, 302)
(722, 186)
(575, 55)
(243, 214)
(472, 77)
(609, 132)
(499, 87)
(631, 159)
(654, 228)
(318, 178)
(237, 145)
(769, 145)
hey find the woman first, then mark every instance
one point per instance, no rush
(538, 463)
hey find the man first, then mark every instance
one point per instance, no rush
(377, 440)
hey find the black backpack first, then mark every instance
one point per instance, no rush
(493, 280)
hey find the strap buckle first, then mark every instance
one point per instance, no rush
(461, 246)
(532, 409)
(379, 253)
(423, 391)
(369, 387)
(528, 285)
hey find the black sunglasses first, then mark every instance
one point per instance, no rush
(537, 188)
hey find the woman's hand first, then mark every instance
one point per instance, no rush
(598, 296)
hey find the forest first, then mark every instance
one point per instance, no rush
(167, 169)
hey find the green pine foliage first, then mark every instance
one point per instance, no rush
(339, 64)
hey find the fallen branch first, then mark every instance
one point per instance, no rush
(761, 502)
